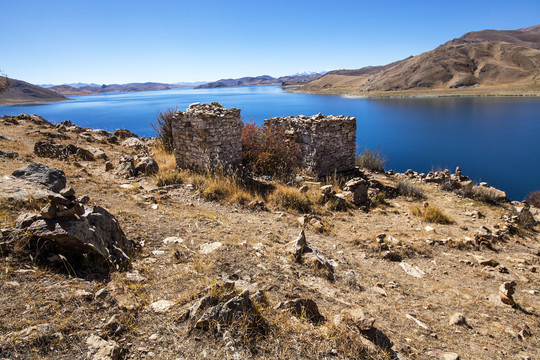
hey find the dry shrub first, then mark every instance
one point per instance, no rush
(407, 188)
(266, 150)
(166, 161)
(168, 178)
(431, 214)
(285, 197)
(163, 129)
(486, 195)
(533, 199)
(372, 159)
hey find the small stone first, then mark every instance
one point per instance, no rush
(173, 240)
(161, 306)
(135, 276)
(457, 319)
(506, 292)
(153, 337)
(101, 293)
(210, 248)
(67, 192)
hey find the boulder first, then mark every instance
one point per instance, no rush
(359, 188)
(94, 235)
(48, 150)
(147, 166)
(122, 134)
(134, 143)
(103, 349)
(8, 154)
(303, 308)
(79, 153)
(126, 168)
(506, 292)
(52, 178)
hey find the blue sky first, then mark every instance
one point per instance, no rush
(117, 41)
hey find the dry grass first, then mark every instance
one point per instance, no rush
(431, 214)
(168, 178)
(165, 160)
(408, 189)
(290, 198)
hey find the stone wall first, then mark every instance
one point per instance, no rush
(328, 143)
(206, 135)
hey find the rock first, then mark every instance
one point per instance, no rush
(161, 306)
(482, 261)
(326, 192)
(303, 189)
(134, 143)
(173, 240)
(109, 166)
(302, 308)
(147, 166)
(359, 189)
(524, 217)
(354, 318)
(95, 233)
(256, 205)
(506, 292)
(103, 349)
(412, 270)
(47, 212)
(102, 294)
(49, 150)
(52, 178)
(443, 355)
(392, 255)
(67, 192)
(26, 219)
(418, 322)
(135, 276)
(126, 168)
(8, 154)
(210, 248)
(300, 246)
(458, 319)
(122, 134)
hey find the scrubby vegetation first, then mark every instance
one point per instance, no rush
(290, 198)
(267, 151)
(163, 129)
(408, 189)
(533, 199)
(372, 159)
(432, 214)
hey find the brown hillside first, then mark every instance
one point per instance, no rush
(485, 60)
(23, 92)
(68, 90)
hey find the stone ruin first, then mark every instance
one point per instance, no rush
(327, 143)
(208, 134)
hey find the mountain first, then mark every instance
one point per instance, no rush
(68, 90)
(483, 61)
(261, 80)
(23, 92)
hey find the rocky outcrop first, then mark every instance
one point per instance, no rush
(52, 178)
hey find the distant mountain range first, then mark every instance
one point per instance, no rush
(23, 92)
(262, 80)
(484, 61)
(88, 89)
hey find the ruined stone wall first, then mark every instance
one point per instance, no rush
(328, 143)
(206, 135)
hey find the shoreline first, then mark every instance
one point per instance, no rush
(25, 103)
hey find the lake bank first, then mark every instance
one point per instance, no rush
(491, 139)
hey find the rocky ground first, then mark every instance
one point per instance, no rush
(182, 277)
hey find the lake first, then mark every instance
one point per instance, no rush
(494, 139)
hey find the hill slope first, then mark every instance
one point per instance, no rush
(261, 80)
(23, 92)
(483, 60)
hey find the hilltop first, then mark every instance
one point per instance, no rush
(20, 92)
(482, 62)
(208, 276)
(290, 80)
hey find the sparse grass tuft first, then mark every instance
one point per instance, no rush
(163, 129)
(168, 178)
(372, 159)
(408, 189)
(431, 214)
(285, 197)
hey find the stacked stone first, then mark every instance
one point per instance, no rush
(327, 143)
(207, 135)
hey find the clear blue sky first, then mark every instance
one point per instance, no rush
(113, 41)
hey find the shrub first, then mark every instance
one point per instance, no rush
(406, 188)
(168, 178)
(431, 214)
(267, 151)
(533, 199)
(163, 129)
(285, 197)
(372, 159)
(486, 195)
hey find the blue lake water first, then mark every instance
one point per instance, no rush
(493, 139)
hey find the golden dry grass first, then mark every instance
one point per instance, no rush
(431, 214)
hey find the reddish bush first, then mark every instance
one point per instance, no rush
(534, 199)
(268, 151)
